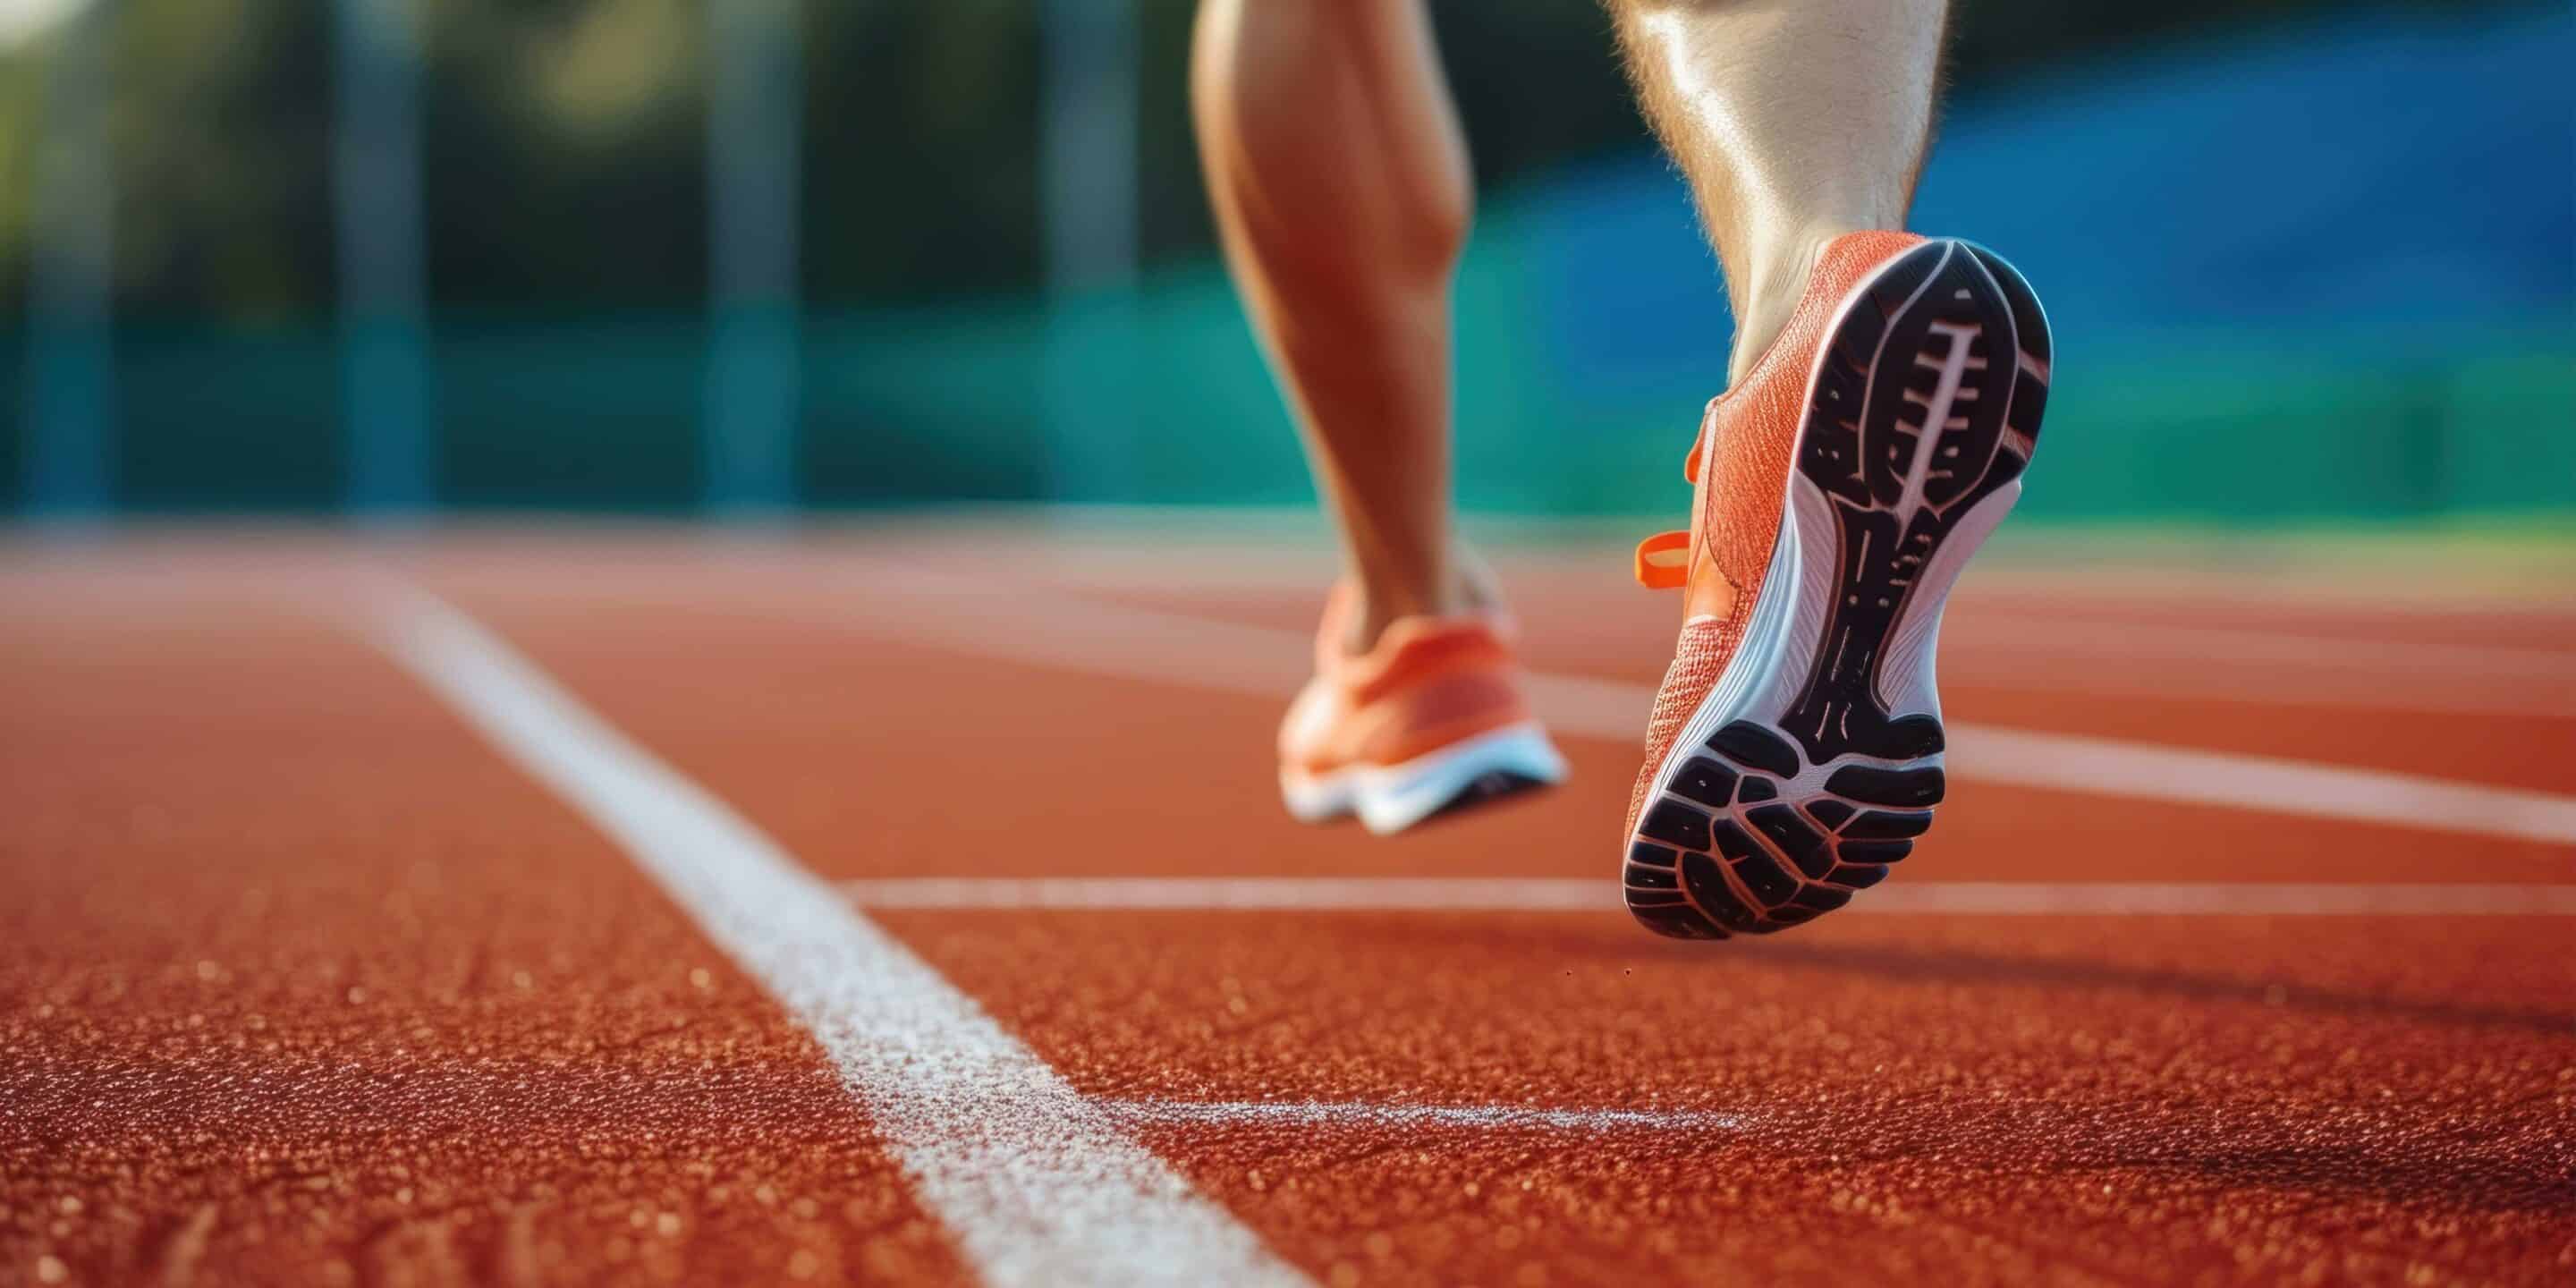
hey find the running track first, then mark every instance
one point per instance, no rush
(910, 905)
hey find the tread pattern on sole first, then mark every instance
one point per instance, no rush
(1947, 333)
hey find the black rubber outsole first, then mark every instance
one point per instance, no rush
(1724, 848)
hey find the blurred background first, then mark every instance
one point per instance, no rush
(2310, 261)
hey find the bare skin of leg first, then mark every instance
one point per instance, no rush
(1339, 175)
(1796, 121)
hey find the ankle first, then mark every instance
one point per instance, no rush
(1464, 588)
(1773, 285)
(1373, 612)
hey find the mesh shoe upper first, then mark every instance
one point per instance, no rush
(1740, 469)
(1426, 683)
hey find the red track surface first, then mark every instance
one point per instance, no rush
(300, 982)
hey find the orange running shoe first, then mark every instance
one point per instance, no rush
(1795, 749)
(1429, 720)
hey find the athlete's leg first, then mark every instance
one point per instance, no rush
(1340, 181)
(1796, 121)
(1884, 401)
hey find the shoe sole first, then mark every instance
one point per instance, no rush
(1816, 760)
(1390, 798)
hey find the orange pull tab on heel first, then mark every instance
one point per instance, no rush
(1690, 463)
(1663, 561)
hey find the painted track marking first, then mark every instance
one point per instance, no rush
(1104, 638)
(1513, 894)
(2049, 636)
(1038, 1185)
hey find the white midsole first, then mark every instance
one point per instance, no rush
(1390, 798)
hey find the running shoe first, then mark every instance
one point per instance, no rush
(1429, 720)
(1795, 750)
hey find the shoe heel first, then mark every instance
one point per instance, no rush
(1922, 416)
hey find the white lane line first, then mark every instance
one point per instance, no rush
(1472, 894)
(1330, 1113)
(1110, 639)
(2147, 771)
(1038, 1185)
(2384, 658)
(2271, 784)
(2075, 676)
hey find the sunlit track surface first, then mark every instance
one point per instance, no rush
(1503, 894)
(302, 981)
